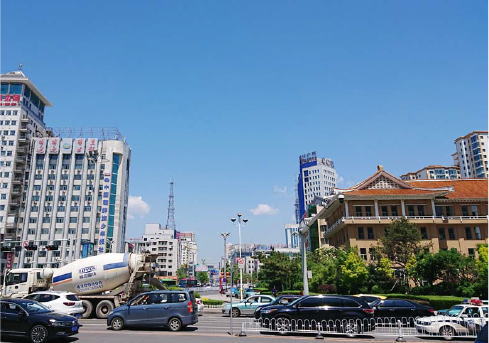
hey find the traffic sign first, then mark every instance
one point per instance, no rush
(25, 244)
(241, 262)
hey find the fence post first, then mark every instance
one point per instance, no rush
(319, 335)
(242, 333)
(399, 334)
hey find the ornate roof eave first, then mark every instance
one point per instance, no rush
(462, 200)
(394, 196)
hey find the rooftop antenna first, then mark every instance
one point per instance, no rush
(170, 219)
(20, 67)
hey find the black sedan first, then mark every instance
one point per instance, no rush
(339, 314)
(32, 320)
(281, 300)
(401, 308)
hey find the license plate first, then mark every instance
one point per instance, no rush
(74, 328)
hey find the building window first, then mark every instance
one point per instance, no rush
(361, 233)
(394, 211)
(410, 209)
(370, 233)
(451, 233)
(465, 211)
(358, 211)
(32, 220)
(73, 219)
(468, 233)
(420, 210)
(473, 210)
(384, 211)
(60, 219)
(424, 233)
(363, 253)
(477, 231)
(441, 234)
(46, 220)
(472, 252)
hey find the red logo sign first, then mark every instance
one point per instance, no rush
(10, 260)
(9, 99)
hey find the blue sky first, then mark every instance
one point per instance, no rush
(223, 96)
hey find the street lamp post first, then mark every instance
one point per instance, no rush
(240, 221)
(225, 236)
(303, 232)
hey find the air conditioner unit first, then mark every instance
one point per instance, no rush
(52, 171)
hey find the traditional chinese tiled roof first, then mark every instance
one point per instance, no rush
(412, 191)
(462, 188)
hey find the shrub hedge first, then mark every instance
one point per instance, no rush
(212, 301)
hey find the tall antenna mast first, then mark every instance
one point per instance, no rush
(170, 219)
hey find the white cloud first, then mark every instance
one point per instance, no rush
(279, 189)
(137, 207)
(264, 209)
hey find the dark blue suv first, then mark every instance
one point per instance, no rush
(172, 309)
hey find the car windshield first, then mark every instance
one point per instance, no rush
(295, 301)
(454, 311)
(15, 278)
(34, 307)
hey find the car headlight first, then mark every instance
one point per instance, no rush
(55, 322)
(269, 311)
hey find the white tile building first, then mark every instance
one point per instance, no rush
(21, 118)
(471, 155)
(187, 248)
(434, 172)
(76, 198)
(161, 242)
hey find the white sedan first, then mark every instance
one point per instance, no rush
(460, 321)
(60, 302)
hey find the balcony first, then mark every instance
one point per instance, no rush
(22, 139)
(24, 119)
(413, 219)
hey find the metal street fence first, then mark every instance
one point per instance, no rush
(438, 326)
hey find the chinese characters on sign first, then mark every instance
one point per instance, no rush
(53, 145)
(9, 99)
(104, 212)
(92, 144)
(79, 146)
(40, 146)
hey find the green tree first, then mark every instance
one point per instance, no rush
(401, 241)
(182, 272)
(446, 272)
(203, 277)
(279, 271)
(323, 265)
(352, 272)
(481, 266)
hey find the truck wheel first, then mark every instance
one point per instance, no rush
(103, 309)
(88, 307)
(175, 324)
(117, 323)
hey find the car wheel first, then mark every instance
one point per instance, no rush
(235, 312)
(38, 334)
(117, 323)
(447, 332)
(88, 308)
(175, 324)
(103, 309)
(282, 325)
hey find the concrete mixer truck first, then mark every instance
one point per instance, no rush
(101, 282)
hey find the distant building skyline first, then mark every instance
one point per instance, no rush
(471, 155)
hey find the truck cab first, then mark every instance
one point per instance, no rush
(22, 281)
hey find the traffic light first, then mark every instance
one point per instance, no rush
(51, 247)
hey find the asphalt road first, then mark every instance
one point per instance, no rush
(212, 327)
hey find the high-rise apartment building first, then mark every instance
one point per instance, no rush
(317, 178)
(76, 197)
(22, 108)
(471, 155)
(187, 249)
(292, 239)
(434, 172)
(161, 242)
